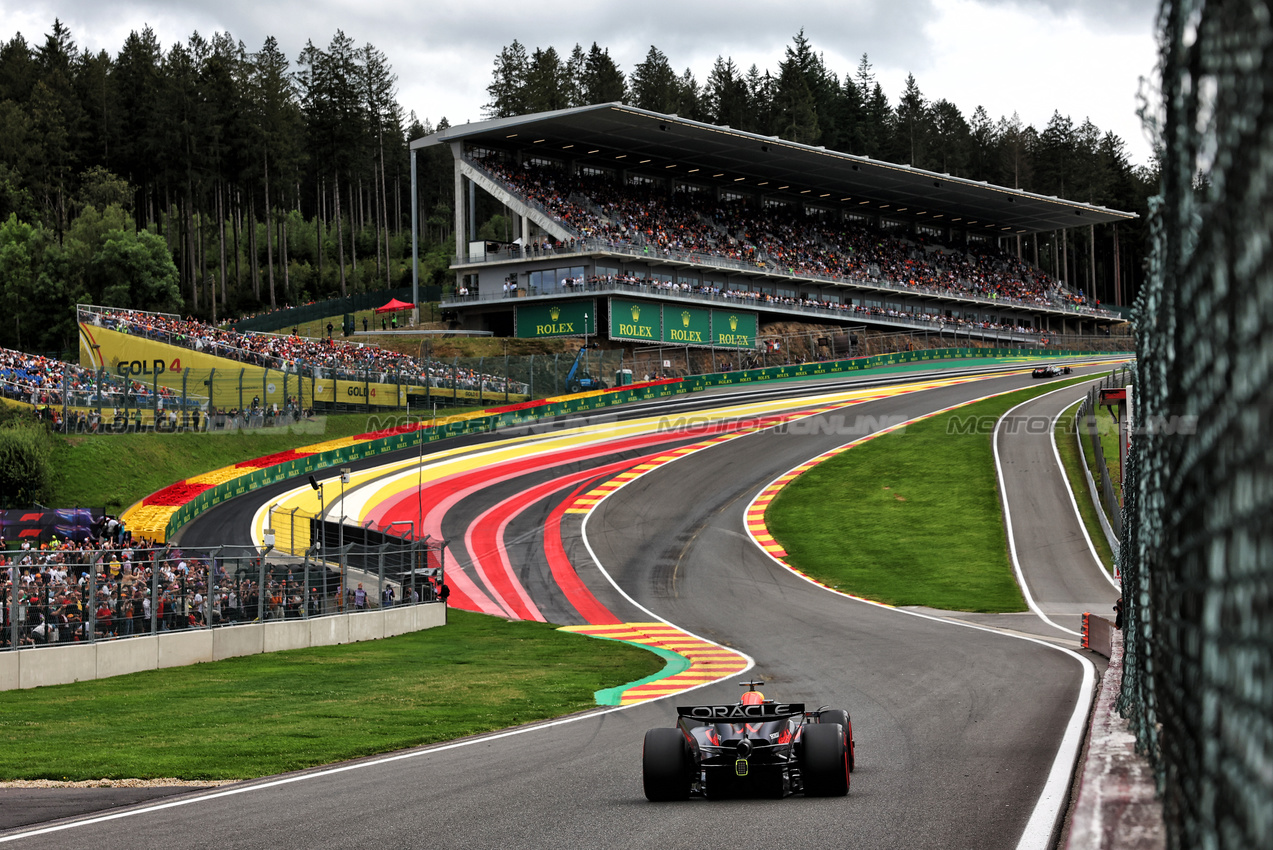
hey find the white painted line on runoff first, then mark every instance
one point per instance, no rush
(1069, 489)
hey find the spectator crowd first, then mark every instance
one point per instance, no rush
(644, 218)
(111, 586)
(321, 358)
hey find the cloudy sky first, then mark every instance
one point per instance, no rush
(1083, 58)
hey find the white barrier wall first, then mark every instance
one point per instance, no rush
(65, 663)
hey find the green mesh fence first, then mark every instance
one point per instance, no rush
(1197, 558)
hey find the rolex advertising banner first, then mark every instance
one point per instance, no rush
(687, 325)
(639, 320)
(555, 318)
(733, 329)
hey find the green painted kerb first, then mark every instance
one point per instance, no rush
(674, 664)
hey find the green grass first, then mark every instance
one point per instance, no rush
(909, 518)
(265, 714)
(1107, 434)
(1073, 461)
(115, 470)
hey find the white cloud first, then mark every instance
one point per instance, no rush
(1081, 57)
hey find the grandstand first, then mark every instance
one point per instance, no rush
(698, 224)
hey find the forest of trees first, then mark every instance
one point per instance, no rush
(209, 179)
(202, 179)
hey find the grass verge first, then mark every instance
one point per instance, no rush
(909, 518)
(266, 714)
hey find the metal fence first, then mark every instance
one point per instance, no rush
(97, 595)
(250, 396)
(1197, 554)
(1085, 423)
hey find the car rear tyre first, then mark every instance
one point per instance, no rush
(836, 715)
(665, 766)
(825, 764)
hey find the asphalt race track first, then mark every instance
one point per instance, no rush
(957, 727)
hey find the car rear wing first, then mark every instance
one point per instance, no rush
(739, 713)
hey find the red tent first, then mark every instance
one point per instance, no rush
(394, 306)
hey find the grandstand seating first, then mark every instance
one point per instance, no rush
(642, 219)
(325, 358)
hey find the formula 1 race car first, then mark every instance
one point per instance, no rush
(1050, 371)
(754, 748)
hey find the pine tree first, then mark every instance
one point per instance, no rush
(508, 83)
(654, 85)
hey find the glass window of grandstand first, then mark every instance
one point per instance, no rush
(687, 281)
(785, 292)
(482, 153)
(663, 279)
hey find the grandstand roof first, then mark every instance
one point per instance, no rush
(616, 135)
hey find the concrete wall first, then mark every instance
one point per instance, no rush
(65, 663)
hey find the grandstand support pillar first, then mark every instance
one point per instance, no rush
(415, 244)
(460, 203)
(1091, 260)
(471, 231)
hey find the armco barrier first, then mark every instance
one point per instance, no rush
(66, 663)
(521, 414)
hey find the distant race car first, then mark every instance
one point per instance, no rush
(753, 748)
(1050, 371)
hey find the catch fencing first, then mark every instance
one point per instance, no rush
(115, 594)
(1085, 424)
(1197, 553)
(254, 396)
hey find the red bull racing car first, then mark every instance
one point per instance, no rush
(753, 748)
